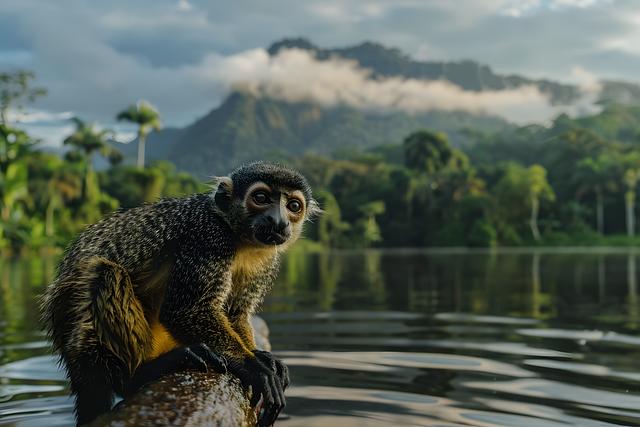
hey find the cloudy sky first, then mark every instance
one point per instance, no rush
(183, 55)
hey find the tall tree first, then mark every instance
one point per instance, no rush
(522, 189)
(147, 117)
(563, 152)
(427, 152)
(15, 90)
(595, 175)
(539, 189)
(87, 140)
(629, 171)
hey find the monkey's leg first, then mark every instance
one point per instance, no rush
(109, 340)
(94, 374)
(198, 357)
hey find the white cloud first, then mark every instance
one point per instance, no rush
(50, 134)
(184, 5)
(295, 75)
(36, 116)
(125, 137)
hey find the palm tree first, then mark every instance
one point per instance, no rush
(147, 117)
(87, 140)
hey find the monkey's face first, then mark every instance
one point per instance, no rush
(274, 214)
(266, 204)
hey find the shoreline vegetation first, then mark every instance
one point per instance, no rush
(572, 183)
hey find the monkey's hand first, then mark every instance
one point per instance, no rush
(197, 356)
(264, 382)
(281, 370)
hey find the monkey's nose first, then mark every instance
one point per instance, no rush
(281, 227)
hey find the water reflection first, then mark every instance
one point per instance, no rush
(538, 284)
(446, 338)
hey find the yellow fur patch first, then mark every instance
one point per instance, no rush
(162, 341)
(250, 260)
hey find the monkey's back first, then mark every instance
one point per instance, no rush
(126, 240)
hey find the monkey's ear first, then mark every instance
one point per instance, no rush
(313, 209)
(223, 192)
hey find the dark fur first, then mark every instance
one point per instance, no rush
(169, 263)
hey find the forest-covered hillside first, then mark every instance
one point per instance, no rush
(248, 127)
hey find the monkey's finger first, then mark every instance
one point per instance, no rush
(277, 415)
(215, 361)
(276, 390)
(283, 403)
(269, 400)
(287, 379)
(192, 360)
(283, 374)
(267, 359)
(255, 398)
(256, 394)
(278, 396)
(283, 400)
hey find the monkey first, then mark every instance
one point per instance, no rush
(171, 285)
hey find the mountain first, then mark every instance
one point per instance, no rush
(247, 127)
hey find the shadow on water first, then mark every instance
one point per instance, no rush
(446, 338)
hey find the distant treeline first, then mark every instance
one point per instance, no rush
(571, 183)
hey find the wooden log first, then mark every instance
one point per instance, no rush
(194, 399)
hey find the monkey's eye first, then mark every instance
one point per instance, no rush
(294, 206)
(261, 197)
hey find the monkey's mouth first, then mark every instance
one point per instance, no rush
(270, 237)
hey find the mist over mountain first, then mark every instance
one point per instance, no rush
(467, 74)
(268, 119)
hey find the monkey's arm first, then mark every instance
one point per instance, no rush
(247, 295)
(193, 306)
(244, 304)
(242, 325)
(193, 311)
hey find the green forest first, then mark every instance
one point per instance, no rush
(573, 182)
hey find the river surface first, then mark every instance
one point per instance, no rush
(406, 338)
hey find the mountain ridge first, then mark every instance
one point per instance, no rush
(467, 73)
(248, 127)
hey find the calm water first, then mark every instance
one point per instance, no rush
(546, 338)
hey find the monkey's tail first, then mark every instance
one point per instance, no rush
(117, 313)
